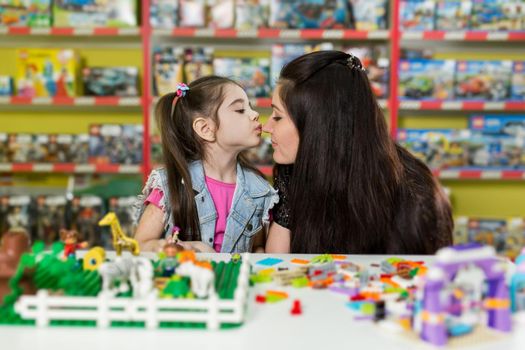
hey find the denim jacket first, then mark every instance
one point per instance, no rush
(252, 201)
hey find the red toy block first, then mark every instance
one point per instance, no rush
(297, 308)
(261, 299)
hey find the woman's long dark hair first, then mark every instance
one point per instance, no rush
(181, 145)
(353, 189)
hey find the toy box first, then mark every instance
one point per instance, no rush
(516, 237)
(115, 144)
(251, 14)
(309, 14)
(284, 53)
(369, 14)
(512, 125)
(95, 13)
(417, 14)
(6, 86)
(426, 79)
(483, 80)
(82, 215)
(438, 148)
(18, 213)
(375, 61)
(497, 15)
(3, 150)
(198, 62)
(453, 14)
(252, 73)
(167, 69)
(491, 232)
(110, 81)
(222, 13)
(46, 73)
(48, 213)
(26, 13)
(164, 14)
(19, 148)
(79, 150)
(192, 13)
(518, 81)
(495, 151)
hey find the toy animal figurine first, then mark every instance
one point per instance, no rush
(137, 271)
(70, 239)
(14, 243)
(120, 240)
(202, 278)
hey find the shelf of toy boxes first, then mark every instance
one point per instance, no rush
(71, 31)
(68, 168)
(440, 35)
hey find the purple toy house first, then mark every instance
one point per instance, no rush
(448, 262)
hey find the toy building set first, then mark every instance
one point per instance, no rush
(369, 14)
(417, 14)
(251, 14)
(164, 14)
(110, 81)
(453, 15)
(95, 13)
(6, 86)
(251, 73)
(426, 79)
(46, 73)
(309, 14)
(486, 80)
(25, 13)
(115, 144)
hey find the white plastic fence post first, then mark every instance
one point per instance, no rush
(213, 311)
(151, 310)
(42, 319)
(103, 311)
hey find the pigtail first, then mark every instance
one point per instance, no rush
(178, 147)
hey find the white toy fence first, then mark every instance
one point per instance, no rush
(103, 309)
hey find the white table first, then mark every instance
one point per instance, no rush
(326, 322)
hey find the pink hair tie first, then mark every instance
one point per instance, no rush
(180, 91)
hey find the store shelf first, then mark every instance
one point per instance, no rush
(70, 31)
(437, 105)
(269, 33)
(71, 101)
(480, 174)
(465, 36)
(70, 168)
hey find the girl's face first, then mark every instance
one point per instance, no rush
(239, 126)
(285, 138)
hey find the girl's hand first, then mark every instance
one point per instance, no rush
(197, 246)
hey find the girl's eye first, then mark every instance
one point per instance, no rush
(241, 111)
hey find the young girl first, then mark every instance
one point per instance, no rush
(208, 191)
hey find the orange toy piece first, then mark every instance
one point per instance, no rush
(187, 255)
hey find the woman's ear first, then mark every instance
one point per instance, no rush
(205, 128)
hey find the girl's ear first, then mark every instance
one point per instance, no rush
(205, 128)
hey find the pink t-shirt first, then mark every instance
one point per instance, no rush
(222, 195)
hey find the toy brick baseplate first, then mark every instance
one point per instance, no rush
(446, 302)
(176, 290)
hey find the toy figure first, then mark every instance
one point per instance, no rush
(120, 240)
(71, 244)
(17, 218)
(42, 228)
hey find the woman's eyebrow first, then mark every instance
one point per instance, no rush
(275, 107)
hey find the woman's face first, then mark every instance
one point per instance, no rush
(285, 138)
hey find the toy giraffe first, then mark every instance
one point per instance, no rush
(120, 240)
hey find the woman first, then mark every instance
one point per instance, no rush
(345, 185)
